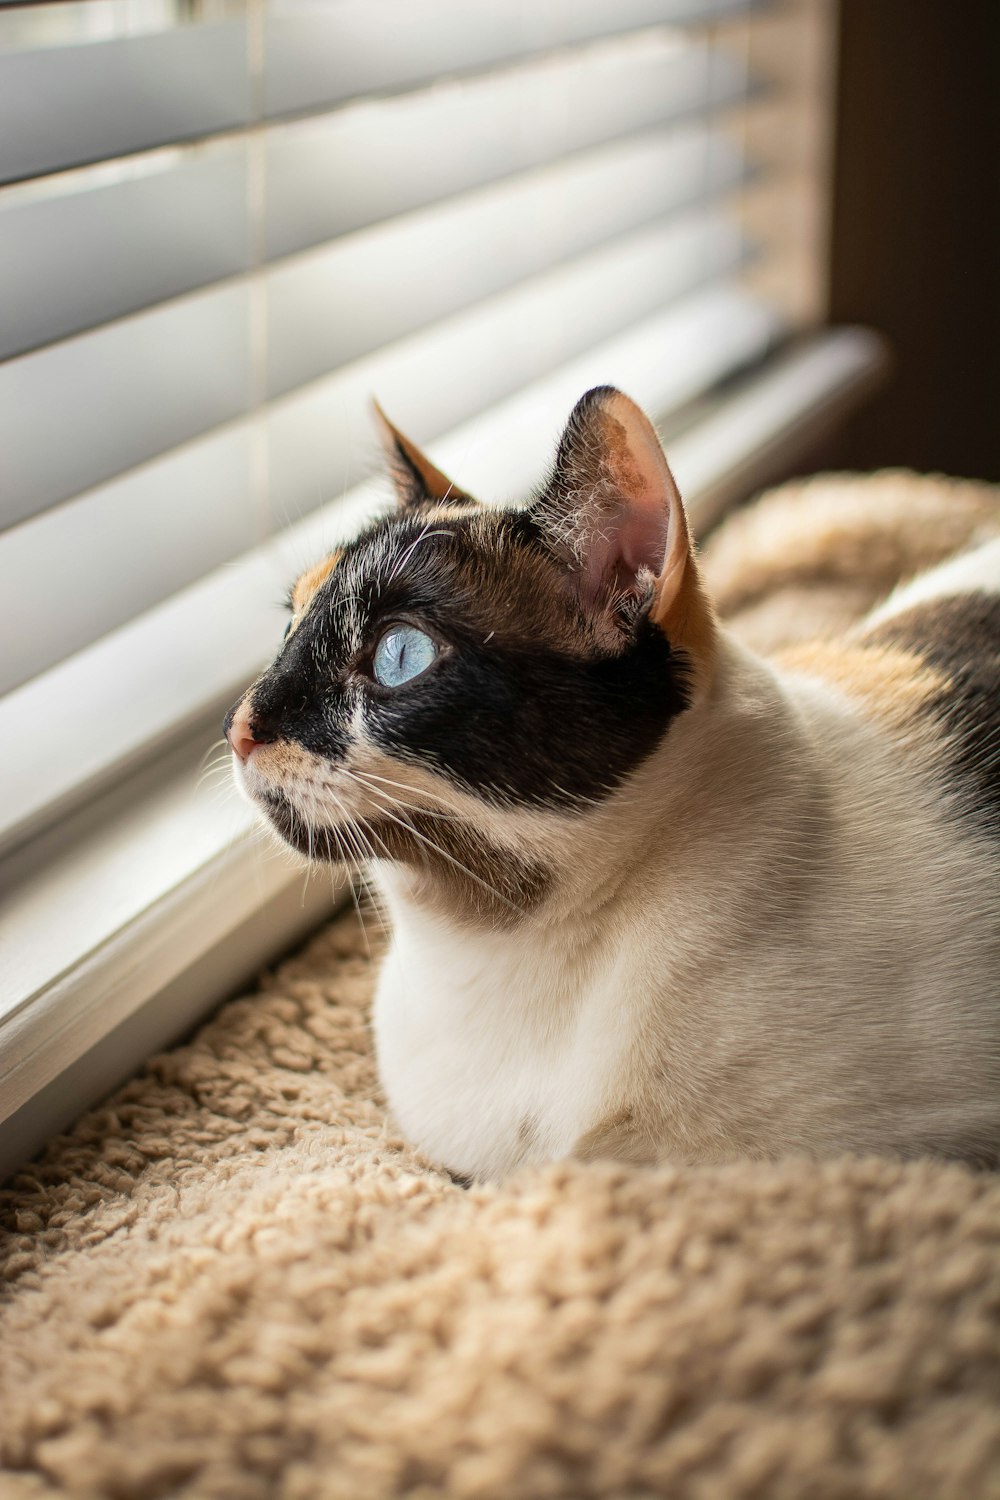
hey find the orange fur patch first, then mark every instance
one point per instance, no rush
(894, 685)
(281, 759)
(311, 580)
(688, 622)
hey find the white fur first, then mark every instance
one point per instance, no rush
(970, 572)
(753, 946)
(481, 1035)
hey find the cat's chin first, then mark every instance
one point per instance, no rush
(277, 811)
(317, 844)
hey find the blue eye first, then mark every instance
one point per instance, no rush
(402, 654)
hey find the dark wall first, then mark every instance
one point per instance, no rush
(916, 232)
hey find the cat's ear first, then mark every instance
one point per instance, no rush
(613, 511)
(416, 480)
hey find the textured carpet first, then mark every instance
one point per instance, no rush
(234, 1281)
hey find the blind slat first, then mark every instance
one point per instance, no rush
(319, 439)
(178, 224)
(327, 309)
(394, 155)
(182, 219)
(318, 442)
(317, 54)
(79, 412)
(129, 93)
(121, 95)
(185, 223)
(149, 517)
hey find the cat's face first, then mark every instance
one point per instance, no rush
(459, 666)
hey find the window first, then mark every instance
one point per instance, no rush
(224, 226)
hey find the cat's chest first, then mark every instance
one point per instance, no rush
(495, 1051)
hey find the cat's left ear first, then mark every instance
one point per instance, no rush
(613, 511)
(417, 481)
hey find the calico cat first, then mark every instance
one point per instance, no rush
(652, 896)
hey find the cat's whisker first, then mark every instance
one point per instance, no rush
(382, 811)
(449, 858)
(377, 908)
(424, 536)
(220, 744)
(349, 850)
(388, 781)
(214, 778)
(217, 770)
(410, 807)
(363, 840)
(356, 903)
(395, 801)
(361, 777)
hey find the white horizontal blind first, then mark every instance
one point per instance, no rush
(225, 225)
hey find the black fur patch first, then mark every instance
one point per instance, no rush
(532, 725)
(525, 705)
(959, 637)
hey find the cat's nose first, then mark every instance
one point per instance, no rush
(243, 733)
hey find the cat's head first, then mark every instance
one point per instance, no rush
(463, 679)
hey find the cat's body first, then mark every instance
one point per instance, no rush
(711, 906)
(685, 993)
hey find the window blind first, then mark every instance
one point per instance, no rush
(226, 224)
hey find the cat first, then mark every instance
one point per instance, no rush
(652, 897)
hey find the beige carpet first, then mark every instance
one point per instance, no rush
(233, 1281)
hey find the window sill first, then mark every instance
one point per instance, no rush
(138, 912)
(128, 920)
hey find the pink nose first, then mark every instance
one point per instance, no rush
(240, 733)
